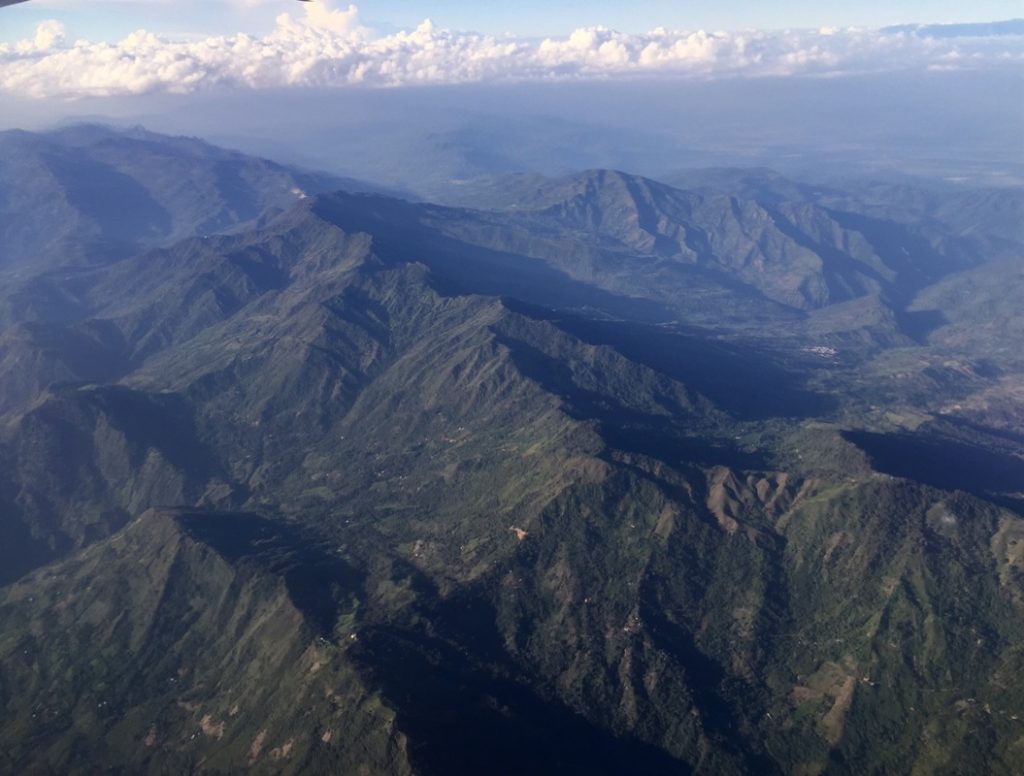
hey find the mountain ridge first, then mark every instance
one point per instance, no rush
(400, 486)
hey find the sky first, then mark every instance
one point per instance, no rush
(112, 19)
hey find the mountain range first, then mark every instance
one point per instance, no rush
(721, 473)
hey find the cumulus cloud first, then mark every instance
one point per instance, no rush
(328, 47)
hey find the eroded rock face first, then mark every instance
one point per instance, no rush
(756, 498)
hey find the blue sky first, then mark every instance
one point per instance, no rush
(559, 16)
(111, 19)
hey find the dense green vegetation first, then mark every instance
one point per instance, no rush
(609, 478)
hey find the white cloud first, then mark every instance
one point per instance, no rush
(329, 47)
(49, 35)
(321, 16)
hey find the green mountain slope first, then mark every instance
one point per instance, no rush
(387, 487)
(151, 652)
(86, 193)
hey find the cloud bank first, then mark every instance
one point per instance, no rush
(326, 47)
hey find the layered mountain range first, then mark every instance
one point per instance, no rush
(596, 475)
